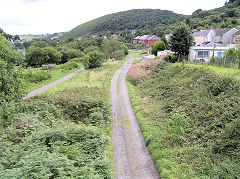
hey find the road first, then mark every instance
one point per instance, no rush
(50, 85)
(131, 156)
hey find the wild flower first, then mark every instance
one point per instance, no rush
(141, 71)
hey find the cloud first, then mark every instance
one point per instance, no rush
(32, 1)
(15, 22)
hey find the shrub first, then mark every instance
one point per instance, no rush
(77, 60)
(37, 76)
(119, 55)
(93, 59)
(170, 58)
(158, 46)
(68, 66)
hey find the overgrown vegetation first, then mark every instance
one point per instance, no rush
(64, 134)
(190, 120)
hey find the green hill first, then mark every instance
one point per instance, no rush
(224, 17)
(131, 19)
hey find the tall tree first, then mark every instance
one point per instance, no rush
(181, 40)
(11, 85)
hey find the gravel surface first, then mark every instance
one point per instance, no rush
(131, 156)
(50, 85)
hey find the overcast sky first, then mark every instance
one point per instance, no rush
(49, 16)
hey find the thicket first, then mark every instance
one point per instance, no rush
(190, 121)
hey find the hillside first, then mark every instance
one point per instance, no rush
(131, 19)
(159, 22)
(224, 17)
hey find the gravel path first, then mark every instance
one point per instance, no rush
(50, 85)
(131, 156)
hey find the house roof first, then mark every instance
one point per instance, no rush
(144, 37)
(154, 37)
(201, 33)
(209, 48)
(237, 33)
(221, 32)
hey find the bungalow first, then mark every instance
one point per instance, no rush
(205, 53)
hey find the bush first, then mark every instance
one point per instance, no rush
(170, 58)
(93, 59)
(158, 46)
(77, 60)
(68, 66)
(37, 76)
(119, 55)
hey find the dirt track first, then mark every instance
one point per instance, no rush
(50, 85)
(131, 156)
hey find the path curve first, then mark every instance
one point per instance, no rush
(131, 156)
(50, 85)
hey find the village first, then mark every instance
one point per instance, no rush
(208, 43)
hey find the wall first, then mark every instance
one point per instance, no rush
(193, 54)
(226, 39)
(199, 40)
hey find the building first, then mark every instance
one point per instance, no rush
(199, 53)
(146, 39)
(236, 38)
(201, 37)
(152, 40)
(218, 37)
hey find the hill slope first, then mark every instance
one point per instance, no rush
(131, 19)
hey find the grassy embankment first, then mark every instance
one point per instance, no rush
(190, 120)
(65, 132)
(234, 72)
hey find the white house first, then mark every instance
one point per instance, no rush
(205, 53)
(217, 37)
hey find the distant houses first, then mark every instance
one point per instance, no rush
(213, 43)
(146, 39)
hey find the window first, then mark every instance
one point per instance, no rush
(203, 54)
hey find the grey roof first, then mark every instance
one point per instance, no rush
(201, 33)
(221, 32)
(154, 37)
(144, 37)
(237, 33)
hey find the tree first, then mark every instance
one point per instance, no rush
(11, 85)
(93, 59)
(37, 56)
(181, 40)
(158, 46)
